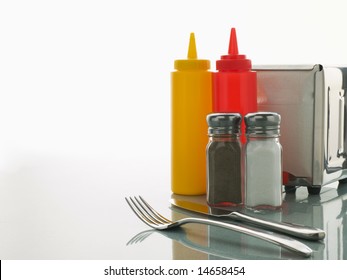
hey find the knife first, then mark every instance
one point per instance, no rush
(296, 230)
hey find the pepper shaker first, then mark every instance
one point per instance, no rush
(223, 154)
(263, 161)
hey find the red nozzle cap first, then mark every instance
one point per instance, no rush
(233, 49)
(233, 61)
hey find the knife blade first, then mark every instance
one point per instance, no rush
(296, 230)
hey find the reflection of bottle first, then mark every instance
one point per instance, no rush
(182, 250)
(191, 93)
(234, 84)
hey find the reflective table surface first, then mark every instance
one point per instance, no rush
(63, 207)
(326, 211)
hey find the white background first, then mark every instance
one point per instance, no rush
(85, 98)
(92, 78)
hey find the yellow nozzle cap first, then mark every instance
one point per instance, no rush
(192, 47)
(192, 62)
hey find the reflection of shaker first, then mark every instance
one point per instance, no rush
(227, 242)
(263, 160)
(223, 153)
(261, 249)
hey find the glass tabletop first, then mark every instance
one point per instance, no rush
(326, 211)
(74, 208)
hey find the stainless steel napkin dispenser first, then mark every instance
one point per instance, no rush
(312, 103)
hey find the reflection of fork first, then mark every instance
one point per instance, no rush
(153, 219)
(179, 235)
(138, 238)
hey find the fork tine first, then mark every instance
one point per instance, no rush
(154, 212)
(140, 213)
(150, 212)
(143, 211)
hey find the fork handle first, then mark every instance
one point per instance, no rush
(277, 239)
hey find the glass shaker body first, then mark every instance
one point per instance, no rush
(263, 162)
(223, 155)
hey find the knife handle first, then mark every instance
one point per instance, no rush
(301, 231)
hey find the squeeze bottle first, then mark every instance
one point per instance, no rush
(234, 84)
(191, 101)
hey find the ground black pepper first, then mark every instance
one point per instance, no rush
(224, 173)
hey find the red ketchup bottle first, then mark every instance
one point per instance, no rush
(234, 84)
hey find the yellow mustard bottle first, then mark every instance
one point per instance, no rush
(191, 102)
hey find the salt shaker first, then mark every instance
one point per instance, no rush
(223, 154)
(263, 161)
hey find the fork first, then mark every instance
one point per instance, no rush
(152, 218)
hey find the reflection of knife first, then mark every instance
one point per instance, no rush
(287, 228)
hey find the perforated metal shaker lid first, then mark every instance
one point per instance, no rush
(224, 123)
(263, 124)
